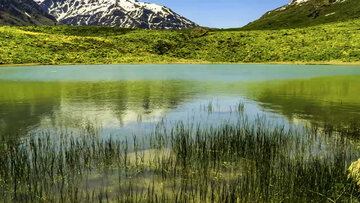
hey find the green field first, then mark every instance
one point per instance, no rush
(329, 43)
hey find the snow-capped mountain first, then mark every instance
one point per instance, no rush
(23, 12)
(119, 13)
(302, 13)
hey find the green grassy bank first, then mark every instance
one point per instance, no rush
(334, 43)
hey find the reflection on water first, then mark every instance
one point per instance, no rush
(333, 100)
(120, 105)
(213, 133)
(25, 106)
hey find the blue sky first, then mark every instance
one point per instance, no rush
(221, 13)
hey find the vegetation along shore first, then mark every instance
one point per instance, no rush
(333, 43)
(241, 161)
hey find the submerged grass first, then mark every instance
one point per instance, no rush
(233, 162)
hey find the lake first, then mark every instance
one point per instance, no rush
(117, 96)
(118, 102)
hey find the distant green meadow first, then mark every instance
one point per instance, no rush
(329, 43)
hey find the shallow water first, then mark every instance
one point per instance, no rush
(114, 131)
(123, 99)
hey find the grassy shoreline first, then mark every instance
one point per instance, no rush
(195, 63)
(330, 44)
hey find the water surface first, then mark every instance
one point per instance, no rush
(105, 132)
(123, 99)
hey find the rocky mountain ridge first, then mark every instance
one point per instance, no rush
(116, 13)
(23, 12)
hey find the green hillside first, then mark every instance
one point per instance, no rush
(330, 43)
(314, 12)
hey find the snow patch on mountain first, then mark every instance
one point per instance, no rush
(297, 2)
(119, 13)
(39, 1)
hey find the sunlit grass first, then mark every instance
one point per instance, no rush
(329, 43)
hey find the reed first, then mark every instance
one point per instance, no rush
(245, 161)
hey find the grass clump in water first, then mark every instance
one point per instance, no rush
(245, 161)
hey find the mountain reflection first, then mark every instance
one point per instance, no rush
(35, 106)
(28, 105)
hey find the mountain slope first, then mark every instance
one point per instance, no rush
(302, 13)
(23, 12)
(115, 13)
